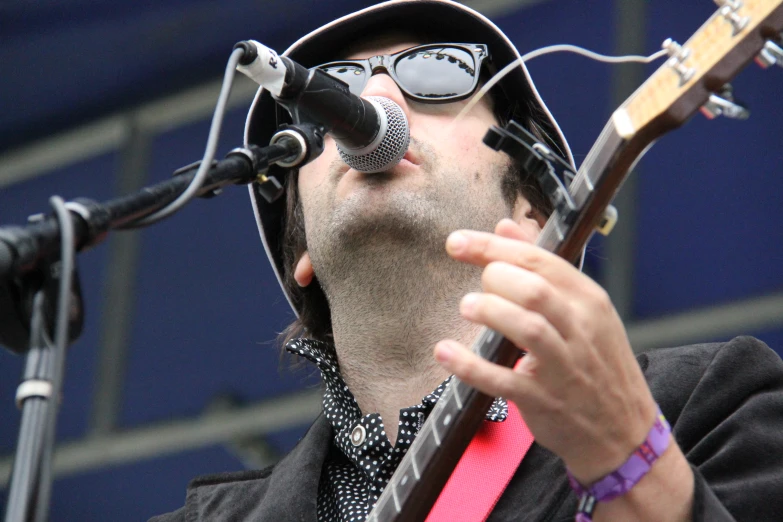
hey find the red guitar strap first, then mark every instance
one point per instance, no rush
(484, 471)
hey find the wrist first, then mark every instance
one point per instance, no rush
(619, 440)
(665, 493)
(625, 476)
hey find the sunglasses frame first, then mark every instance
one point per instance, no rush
(388, 62)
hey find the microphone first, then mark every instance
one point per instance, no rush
(372, 134)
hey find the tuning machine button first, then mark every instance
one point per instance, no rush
(677, 56)
(771, 54)
(723, 104)
(728, 10)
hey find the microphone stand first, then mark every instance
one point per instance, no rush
(31, 282)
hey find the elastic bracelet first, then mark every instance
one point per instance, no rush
(621, 480)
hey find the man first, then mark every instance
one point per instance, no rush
(393, 274)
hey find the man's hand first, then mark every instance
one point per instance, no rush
(579, 387)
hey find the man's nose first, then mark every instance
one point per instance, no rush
(381, 84)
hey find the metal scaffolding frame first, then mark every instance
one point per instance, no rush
(131, 132)
(227, 426)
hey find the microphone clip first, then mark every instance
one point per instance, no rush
(305, 141)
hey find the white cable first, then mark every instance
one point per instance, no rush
(547, 50)
(209, 153)
(591, 54)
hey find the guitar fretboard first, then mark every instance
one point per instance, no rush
(444, 431)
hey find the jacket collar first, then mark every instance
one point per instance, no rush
(287, 491)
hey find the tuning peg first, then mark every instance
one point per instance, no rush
(724, 104)
(728, 10)
(771, 54)
(677, 56)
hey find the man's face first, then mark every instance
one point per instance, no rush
(447, 180)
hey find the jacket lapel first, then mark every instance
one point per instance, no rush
(286, 492)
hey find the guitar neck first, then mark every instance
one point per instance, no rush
(425, 469)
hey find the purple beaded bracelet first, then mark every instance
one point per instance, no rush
(621, 480)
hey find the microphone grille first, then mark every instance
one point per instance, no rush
(395, 137)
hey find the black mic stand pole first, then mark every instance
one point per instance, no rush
(30, 286)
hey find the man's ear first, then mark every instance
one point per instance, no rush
(527, 216)
(303, 274)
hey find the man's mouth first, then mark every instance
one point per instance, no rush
(338, 168)
(411, 157)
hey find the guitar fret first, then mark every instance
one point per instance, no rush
(559, 232)
(547, 238)
(405, 481)
(427, 446)
(462, 391)
(397, 504)
(436, 435)
(415, 467)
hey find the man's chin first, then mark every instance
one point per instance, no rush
(407, 181)
(384, 214)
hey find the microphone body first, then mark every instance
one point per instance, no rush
(372, 134)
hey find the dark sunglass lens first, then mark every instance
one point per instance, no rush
(437, 72)
(353, 75)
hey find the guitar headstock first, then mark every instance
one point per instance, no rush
(738, 32)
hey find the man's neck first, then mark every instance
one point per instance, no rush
(385, 337)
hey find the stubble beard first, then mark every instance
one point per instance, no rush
(383, 266)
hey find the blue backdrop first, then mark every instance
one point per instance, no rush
(207, 306)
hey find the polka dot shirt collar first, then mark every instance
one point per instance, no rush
(355, 479)
(340, 406)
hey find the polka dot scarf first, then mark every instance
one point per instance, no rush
(362, 459)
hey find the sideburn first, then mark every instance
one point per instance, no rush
(314, 319)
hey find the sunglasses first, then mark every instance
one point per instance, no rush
(432, 73)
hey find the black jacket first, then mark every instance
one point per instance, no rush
(723, 400)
